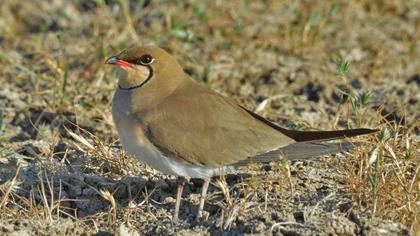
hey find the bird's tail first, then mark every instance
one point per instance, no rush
(307, 143)
(300, 151)
(305, 150)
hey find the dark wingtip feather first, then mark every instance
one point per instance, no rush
(303, 136)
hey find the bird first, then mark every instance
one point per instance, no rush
(180, 127)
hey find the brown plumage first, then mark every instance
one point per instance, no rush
(179, 127)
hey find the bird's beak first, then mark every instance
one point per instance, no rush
(114, 60)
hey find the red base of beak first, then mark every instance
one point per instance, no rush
(124, 63)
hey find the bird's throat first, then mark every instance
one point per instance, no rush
(132, 78)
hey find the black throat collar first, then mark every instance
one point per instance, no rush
(142, 83)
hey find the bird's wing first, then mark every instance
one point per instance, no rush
(202, 127)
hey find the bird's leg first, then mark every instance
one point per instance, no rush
(181, 183)
(203, 198)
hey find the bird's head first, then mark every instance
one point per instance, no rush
(146, 66)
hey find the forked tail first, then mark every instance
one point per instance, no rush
(307, 142)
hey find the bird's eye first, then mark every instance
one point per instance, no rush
(146, 59)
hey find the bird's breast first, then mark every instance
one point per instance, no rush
(132, 131)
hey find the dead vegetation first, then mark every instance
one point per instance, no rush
(316, 64)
